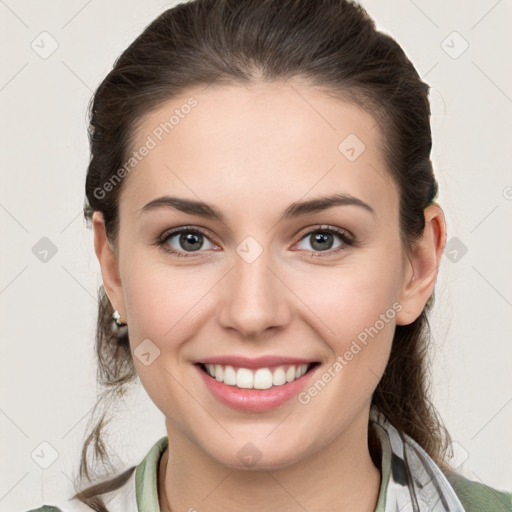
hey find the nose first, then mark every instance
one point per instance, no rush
(254, 299)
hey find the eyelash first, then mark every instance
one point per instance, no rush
(346, 239)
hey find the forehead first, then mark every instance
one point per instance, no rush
(286, 139)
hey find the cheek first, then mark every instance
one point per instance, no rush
(353, 299)
(356, 316)
(165, 303)
(162, 302)
(163, 306)
(355, 309)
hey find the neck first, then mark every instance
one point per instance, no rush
(340, 476)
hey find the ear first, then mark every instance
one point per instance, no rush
(108, 263)
(422, 265)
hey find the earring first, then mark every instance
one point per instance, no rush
(117, 319)
(119, 327)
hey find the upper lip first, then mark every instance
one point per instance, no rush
(257, 362)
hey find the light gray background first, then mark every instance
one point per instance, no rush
(48, 309)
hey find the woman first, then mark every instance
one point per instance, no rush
(231, 141)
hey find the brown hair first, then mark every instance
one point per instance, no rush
(332, 44)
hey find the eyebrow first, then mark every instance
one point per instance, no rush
(295, 210)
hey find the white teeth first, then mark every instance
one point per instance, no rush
(219, 372)
(229, 376)
(244, 378)
(301, 370)
(278, 377)
(262, 378)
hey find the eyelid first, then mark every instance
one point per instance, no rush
(325, 227)
(182, 229)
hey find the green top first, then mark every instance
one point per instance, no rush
(475, 497)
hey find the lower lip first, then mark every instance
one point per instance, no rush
(254, 400)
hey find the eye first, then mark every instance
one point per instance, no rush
(323, 239)
(183, 240)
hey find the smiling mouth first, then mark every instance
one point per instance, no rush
(260, 378)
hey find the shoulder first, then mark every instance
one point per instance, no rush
(45, 508)
(122, 493)
(72, 507)
(478, 497)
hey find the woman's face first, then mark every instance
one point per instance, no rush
(270, 275)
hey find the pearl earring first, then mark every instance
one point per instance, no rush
(119, 327)
(117, 319)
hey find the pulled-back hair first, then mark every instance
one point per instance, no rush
(332, 44)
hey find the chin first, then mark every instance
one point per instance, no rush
(253, 456)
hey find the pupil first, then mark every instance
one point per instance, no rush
(322, 238)
(190, 240)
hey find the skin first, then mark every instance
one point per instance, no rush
(251, 152)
